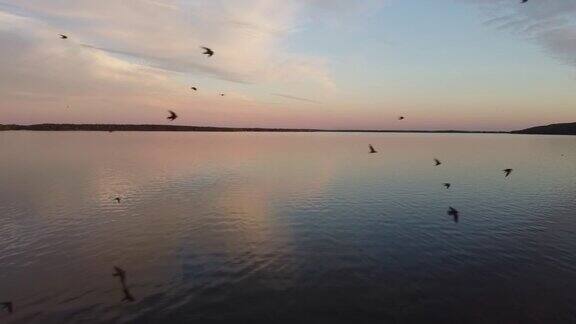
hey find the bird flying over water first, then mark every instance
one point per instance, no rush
(117, 199)
(62, 36)
(194, 88)
(437, 162)
(172, 116)
(401, 118)
(127, 295)
(8, 306)
(524, 1)
(118, 272)
(454, 213)
(121, 274)
(207, 51)
(372, 150)
(222, 95)
(447, 185)
(507, 172)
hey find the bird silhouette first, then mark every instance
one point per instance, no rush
(172, 116)
(8, 306)
(507, 172)
(447, 185)
(207, 51)
(524, 1)
(117, 199)
(437, 162)
(194, 88)
(454, 213)
(222, 95)
(127, 295)
(121, 274)
(401, 118)
(372, 150)
(63, 36)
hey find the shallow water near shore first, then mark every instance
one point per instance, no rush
(287, 227)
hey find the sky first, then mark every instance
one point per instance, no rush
(332, 64)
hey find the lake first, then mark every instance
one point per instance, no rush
(287, 228)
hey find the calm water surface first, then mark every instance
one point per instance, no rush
(287, 228)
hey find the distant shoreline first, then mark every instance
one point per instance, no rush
(553, 129)
(180, 128)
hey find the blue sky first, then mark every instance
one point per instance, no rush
(459, 64)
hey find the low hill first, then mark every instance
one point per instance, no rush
(554, 129)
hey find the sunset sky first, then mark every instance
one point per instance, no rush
(354, 64)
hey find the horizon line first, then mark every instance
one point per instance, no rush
(191, 128)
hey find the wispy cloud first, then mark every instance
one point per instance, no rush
(550, 23)
(135, 55)
(167, 35)
(296, 98)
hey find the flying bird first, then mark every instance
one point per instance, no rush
(454, 213)
(172, 116)
(127, 295)
(63, 36)
(194, 88)
(117, 199)
(507, 172)
(121, 274)
(372, 150)
(401, 118)
(8, 306)
(222, 95)
(524, 1)
(437, 162)
(207, 51)
(447, 185)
